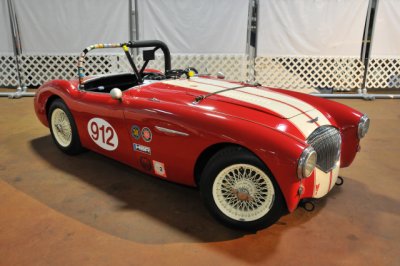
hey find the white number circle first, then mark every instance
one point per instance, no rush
(102, 133)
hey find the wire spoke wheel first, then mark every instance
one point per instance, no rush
(243, 192)
(61, 127)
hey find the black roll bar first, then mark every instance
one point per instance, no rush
(137, 44)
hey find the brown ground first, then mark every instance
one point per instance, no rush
(90, 210)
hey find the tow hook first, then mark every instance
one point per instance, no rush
(339, 181)
(308, 205)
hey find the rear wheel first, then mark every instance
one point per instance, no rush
(63, 128)
(240, 191)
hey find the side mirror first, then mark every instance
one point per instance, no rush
(116, 94)
(220, 75)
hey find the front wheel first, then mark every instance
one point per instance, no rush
(240, 191)
(63, 128)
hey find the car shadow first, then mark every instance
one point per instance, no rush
(127, 203)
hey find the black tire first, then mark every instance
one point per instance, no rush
(73, 146)
(240, 160)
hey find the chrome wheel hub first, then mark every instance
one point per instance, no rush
(243, 192)
(61, 127)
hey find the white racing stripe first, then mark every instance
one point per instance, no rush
(275, 106)
(324, 182)
(303, 106)
(302, 122)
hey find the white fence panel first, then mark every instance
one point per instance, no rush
(310, 72)
(8, 71)
(37, 69)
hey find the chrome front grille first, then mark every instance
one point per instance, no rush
(326, 141)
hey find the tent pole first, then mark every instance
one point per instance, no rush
(21, 90)
(251, 41)
(366, 56)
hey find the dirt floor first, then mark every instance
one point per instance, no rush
(90, 210)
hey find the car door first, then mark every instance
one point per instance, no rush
(162, 144)
(100, 121)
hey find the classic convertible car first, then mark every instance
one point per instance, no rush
(254, 152)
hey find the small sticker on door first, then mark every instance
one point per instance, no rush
(159, 168)
(135, 132)
(146, 134)
(141, 148)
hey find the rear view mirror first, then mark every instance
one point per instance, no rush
(148, 55)
(116, 94)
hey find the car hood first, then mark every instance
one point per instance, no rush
(259, 98)
(242, 100)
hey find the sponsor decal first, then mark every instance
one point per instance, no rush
(145, 163)
(135, 132)
(141, 148)
(159, 168)
(146, 134)
(102, 133)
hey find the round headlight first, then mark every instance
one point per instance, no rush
(363, 126)
(307, 163)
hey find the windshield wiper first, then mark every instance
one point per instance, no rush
(202, 97)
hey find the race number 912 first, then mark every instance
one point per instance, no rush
(102, 133)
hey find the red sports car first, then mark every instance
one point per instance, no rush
(254, 152)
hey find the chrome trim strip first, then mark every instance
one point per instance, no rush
(171, 131)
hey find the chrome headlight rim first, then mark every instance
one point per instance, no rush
(363, 126)
(306, 155)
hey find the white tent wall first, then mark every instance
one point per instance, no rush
(8, 68)
(6, 43)
(300, 43)
(53, 33)
(54, 27)
(313, 43)
(209, 35)
(196, 27)
(384, 64)
(311, 27)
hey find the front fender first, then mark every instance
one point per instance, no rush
(279, 151)
(345, 118)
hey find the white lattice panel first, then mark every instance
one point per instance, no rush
(285, 72)
(235, 67)
(305, 72)
(383, 73)
(8, 71)
(37, 69)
